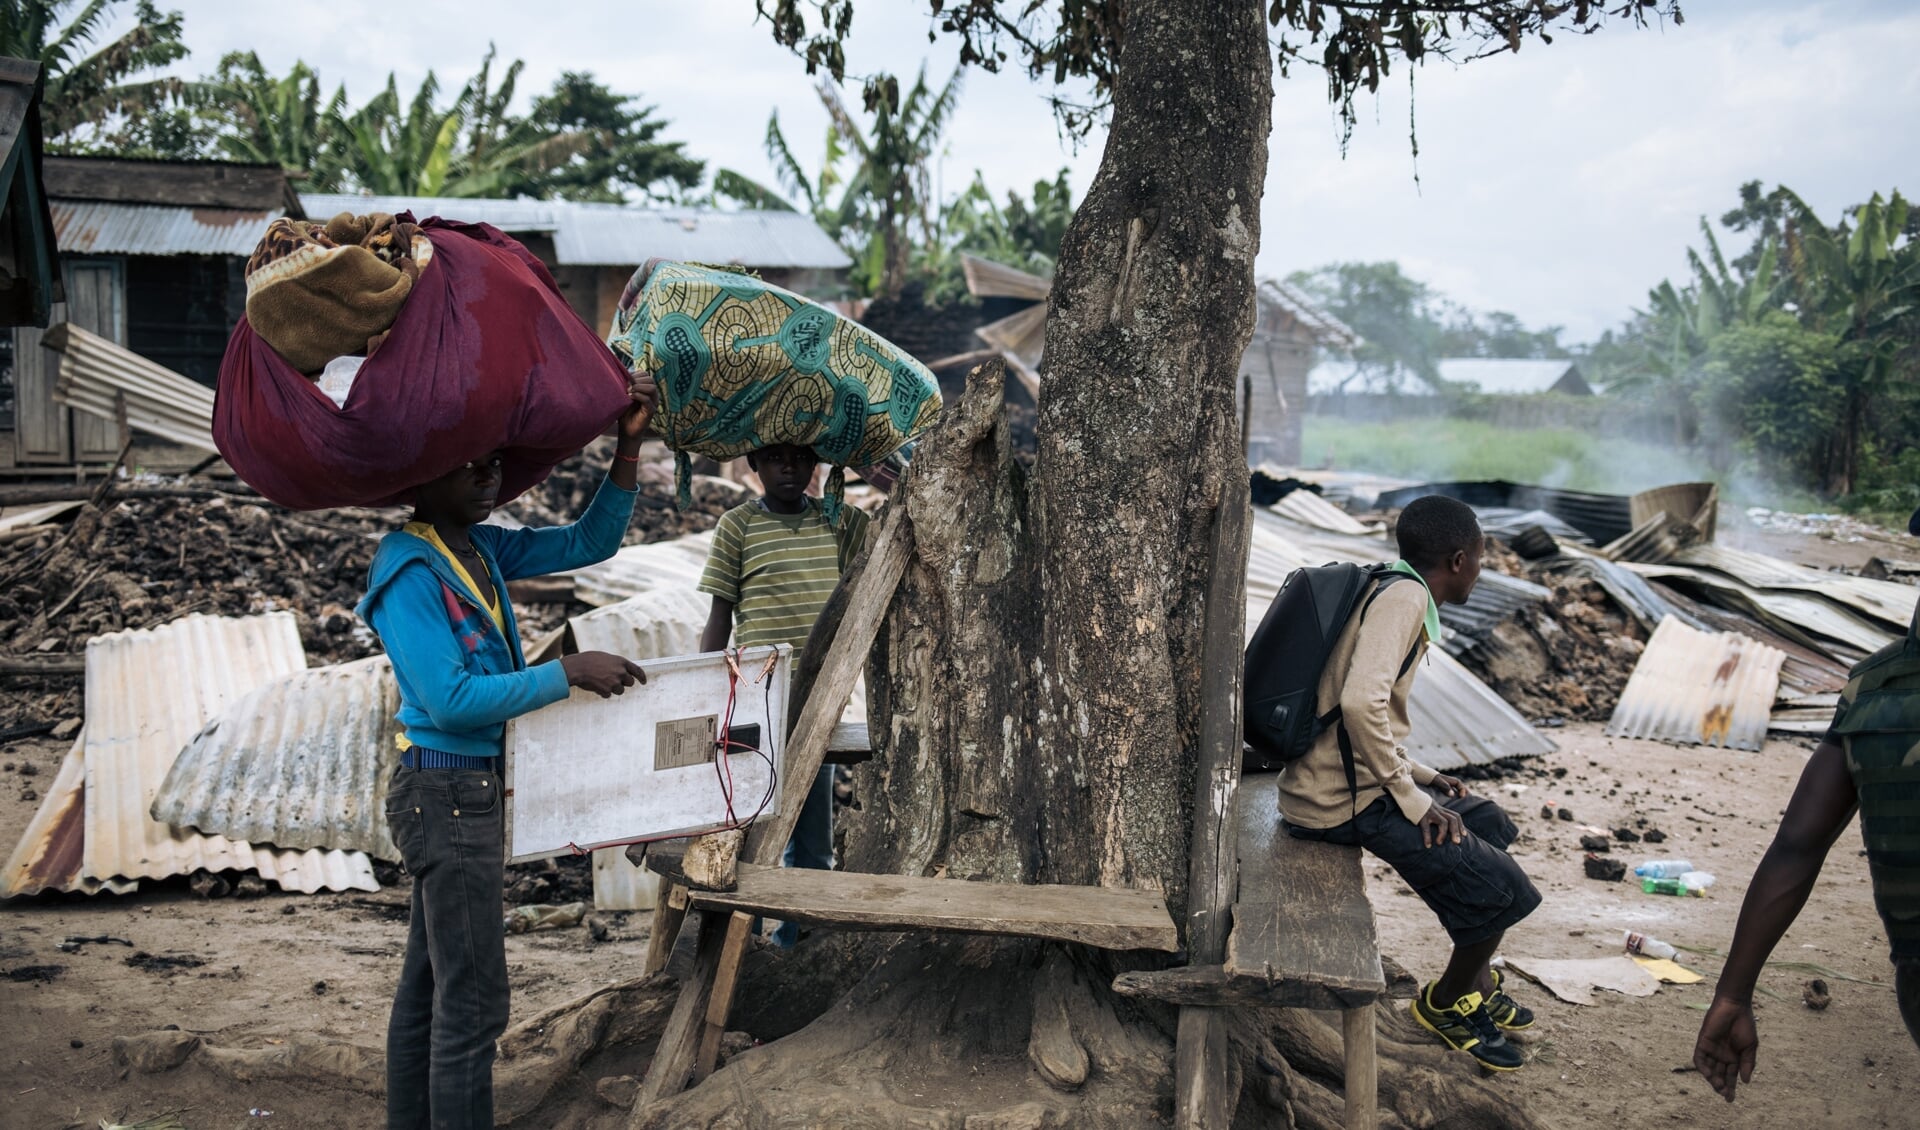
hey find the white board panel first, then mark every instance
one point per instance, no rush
(585, 773)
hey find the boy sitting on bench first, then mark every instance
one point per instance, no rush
(1356, 786)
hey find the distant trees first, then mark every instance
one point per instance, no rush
(1406, 326)
(1801, 355)
(91, 94)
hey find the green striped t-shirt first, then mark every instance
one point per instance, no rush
(777, 570)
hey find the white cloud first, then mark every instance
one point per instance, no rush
(1558, 184)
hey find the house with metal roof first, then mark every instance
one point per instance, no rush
(1288, 333)
(1514, 376)
(154, 256)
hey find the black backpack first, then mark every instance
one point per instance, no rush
(1289, 652)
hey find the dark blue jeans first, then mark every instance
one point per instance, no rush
(451, 1004)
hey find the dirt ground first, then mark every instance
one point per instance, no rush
(283, 966)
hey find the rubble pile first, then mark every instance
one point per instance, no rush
(570, 487)
(1568, 659)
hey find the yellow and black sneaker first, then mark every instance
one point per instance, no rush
(1507, 1013)
(1466, 1027)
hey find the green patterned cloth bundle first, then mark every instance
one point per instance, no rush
(743, 364)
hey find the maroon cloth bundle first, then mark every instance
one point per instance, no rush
(485, 356)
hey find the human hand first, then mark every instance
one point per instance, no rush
(1726, 1045)
(1441, 825)
(602, 673)
(644, 396)
(1448, 786)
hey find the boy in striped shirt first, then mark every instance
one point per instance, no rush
(774, 563)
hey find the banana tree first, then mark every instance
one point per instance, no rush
(88, 89)
(1860, 280)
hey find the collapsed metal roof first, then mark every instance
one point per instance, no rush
(148, 693)
(644, 568)
(47, 857)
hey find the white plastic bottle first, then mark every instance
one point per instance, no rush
(1663, 869)
(1647, 945)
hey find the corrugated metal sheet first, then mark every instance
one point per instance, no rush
(615, 235)
(1628, 589)
(1602, 517)
(1804, 714)
(1327, 330)
(1886, 601)
(644, 568)
(1495, 598)
(47, 858)
(96, 375)
(507, 215)
(14, 517)
(148, 693)
(1514, 375)
(620, 885)
(1800, 616)
(988, 279)
(1309, 509)
(1457, 719)
(91, 227)
(1699, 688)
(650, 625)
(302, 762)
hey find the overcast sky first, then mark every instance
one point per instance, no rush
(1559, 184)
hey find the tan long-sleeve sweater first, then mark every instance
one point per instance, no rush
(1363, 677)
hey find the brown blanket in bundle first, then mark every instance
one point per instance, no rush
(316, 292)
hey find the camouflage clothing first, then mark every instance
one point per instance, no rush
(1878, 725)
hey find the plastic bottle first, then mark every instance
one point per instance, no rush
(1646, 945)
(1663, 869)
(1693, 883)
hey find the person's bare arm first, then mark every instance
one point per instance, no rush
(1823, 802)
(719, 626)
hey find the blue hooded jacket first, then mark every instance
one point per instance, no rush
(460, 677)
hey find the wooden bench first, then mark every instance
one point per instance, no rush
(1302, 937)
(1104, 917)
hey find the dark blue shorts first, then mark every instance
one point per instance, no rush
(1474, 886)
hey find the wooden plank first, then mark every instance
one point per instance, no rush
(1362, 1084)
(1103, 917)
(1302, 912)
(673, 1059)
(667, 919)
(1201, 1097)
(1212, 987)
(726, 983)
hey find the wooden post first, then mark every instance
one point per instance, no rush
(1363, 1080)
(673, 1059)
(1200, 1064)
(869, 595)
(726, 982)
(668, 914)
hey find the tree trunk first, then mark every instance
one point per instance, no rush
(1035, 697)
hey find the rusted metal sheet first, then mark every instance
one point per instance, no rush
(1699, 688)
(301, 762)
(148, 693)
(93, 227)
(47, 858)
